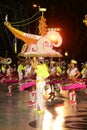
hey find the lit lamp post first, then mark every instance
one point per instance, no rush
(15, 46)
(66, 53)
(66, 57)
(85, 20)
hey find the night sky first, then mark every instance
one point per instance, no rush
(65, 14)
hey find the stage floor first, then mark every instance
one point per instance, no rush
(16, 115)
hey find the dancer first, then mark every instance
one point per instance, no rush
(84, 75)
(42, 72)
(20, 70)
(84, 71)
(32, 90)
(73, 73)
(9, 71)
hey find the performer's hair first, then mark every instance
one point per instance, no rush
(41, 62)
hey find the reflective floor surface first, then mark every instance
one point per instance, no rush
(16, 115)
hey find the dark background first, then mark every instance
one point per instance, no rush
(65, 14)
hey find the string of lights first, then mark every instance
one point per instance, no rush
(28, 19)
(26, 23)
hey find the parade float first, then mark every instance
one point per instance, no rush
(38, 45)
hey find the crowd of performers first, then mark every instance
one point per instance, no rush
(44, 81)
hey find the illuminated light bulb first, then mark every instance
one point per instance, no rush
(66, 53)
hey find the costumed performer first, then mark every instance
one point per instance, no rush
(42, 72)
(84, 74)
(20, 70)
(73, 73)
(30, 73)
(53, 81)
